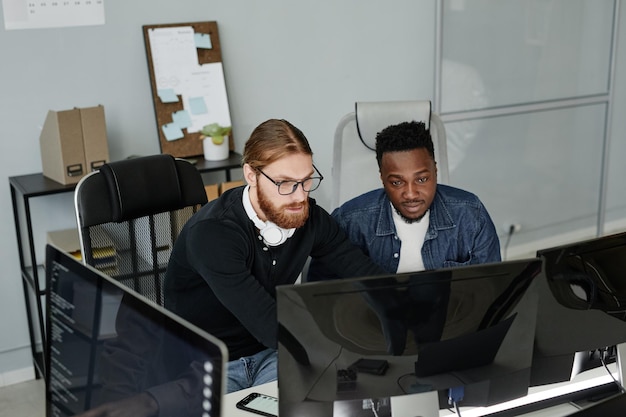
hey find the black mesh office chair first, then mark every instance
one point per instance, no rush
(129, 214)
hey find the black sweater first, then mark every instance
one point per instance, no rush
(222, 278)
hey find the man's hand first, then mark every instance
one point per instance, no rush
(140, 405)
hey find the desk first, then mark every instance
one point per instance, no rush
(27, 187)
(539, 396)
(233, 161)
(23, 189)
(404, 406)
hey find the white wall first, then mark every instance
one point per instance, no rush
(307, 63)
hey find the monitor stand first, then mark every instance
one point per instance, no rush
(621, 364)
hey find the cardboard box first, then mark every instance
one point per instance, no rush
(230, 184)
(66, 240)
(212, 191)
(94, 137)
(73, 143)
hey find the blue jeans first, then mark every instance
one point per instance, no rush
(252, 370)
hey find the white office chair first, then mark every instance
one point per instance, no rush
(354, 169)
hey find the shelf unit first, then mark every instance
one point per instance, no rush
(30, 186)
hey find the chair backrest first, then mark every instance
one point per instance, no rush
(129, 214)
(354, 158)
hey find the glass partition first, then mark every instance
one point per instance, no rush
(529, 100)
(507, 52)
(538, 169)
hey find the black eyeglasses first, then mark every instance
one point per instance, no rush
(290, 186)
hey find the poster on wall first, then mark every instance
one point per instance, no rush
(36, 14)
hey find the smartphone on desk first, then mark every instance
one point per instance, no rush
(257, 403)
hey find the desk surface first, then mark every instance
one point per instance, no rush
(587, 379)
(233, 161)
(33, 185)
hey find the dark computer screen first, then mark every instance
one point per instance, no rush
(372, 339)
(107, 344)
(582, 304)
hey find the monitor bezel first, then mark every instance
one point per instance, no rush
(553, 360)
(460, 273)
(54, 254)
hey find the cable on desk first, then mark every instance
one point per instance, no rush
(455, 395)
(603, 356)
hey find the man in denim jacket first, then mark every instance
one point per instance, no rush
(413, 223)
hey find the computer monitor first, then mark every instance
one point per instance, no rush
(107, 344)
(370, 341)
(582, 305)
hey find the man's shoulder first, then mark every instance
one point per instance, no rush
(364, 201)
(457, 200)
(450, 193)
(222, 207)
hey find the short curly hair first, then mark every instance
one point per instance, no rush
(404, 136)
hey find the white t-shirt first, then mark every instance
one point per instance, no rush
(412, 237)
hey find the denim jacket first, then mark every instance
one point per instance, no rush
(460, 231)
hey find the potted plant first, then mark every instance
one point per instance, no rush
(215, 141)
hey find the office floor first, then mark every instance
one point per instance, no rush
(26, 399)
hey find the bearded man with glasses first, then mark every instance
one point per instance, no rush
(235, 250)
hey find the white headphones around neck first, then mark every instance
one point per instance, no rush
(272, 234)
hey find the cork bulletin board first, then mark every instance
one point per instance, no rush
(187, 80)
